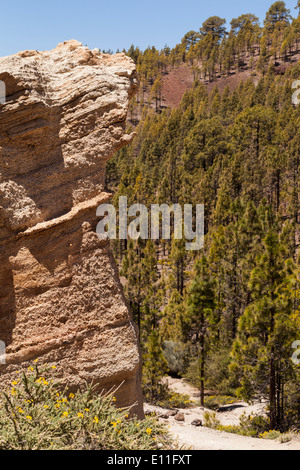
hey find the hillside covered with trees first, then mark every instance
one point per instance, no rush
(225, 317)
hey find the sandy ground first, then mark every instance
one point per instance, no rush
(201, 438)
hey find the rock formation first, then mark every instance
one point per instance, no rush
(61, 299)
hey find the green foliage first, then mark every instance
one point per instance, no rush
(213, 51)
(214, 26)
(155, 368)
(201, 304)
(254, 424)
(37, 414)
(214, 402)
(270, 435)
(236, 151)
(243, 21)
(210, 420)
(176, 357)
(173, 400)
(277, 13)
(250, 425)
(267, 329)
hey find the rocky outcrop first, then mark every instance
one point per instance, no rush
(61, 299)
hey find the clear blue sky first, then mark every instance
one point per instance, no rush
(41, 25)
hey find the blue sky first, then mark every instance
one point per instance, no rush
(114, 24)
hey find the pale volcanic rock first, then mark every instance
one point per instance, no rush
(61, 299)
(64, 118)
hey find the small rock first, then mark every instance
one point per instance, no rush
(197, 423)
(165, 416)
(172, 412)
(180, 417)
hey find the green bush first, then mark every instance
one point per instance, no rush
(211, 420)
(270, 435)
(175, 355)
(36, 414)
(174, 400)
(216, 372)
(250, 425)
(214, 402)
(257, 424)
(191, 375)
(154, 369)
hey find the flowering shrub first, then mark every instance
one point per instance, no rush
(36, 414)
(175, 400)
(270, 435)
(249, 425)
(213, 402)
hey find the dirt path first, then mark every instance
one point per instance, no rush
(201, 438)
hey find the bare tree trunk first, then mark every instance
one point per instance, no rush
(202, 360)
(272, 396)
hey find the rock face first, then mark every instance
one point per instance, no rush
(60, 298)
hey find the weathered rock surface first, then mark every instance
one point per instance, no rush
(197, 423)
(61, 299)
(180, 417)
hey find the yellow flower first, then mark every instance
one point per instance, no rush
(80, 415)
(46, 406)
(66, 414)
(71, 395)
(20, 410)
(86, 409)
(53, 367)
(114, 424)
(114, 399)
(148, 431)
(96, 420)
(29, 417)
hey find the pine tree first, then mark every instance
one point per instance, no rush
(173, 318)
(237, 152)
(266, 330)
(139, 268)
(277, 13)
(155, 367)
(243, 21)
(214, 26)
(200, 304)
